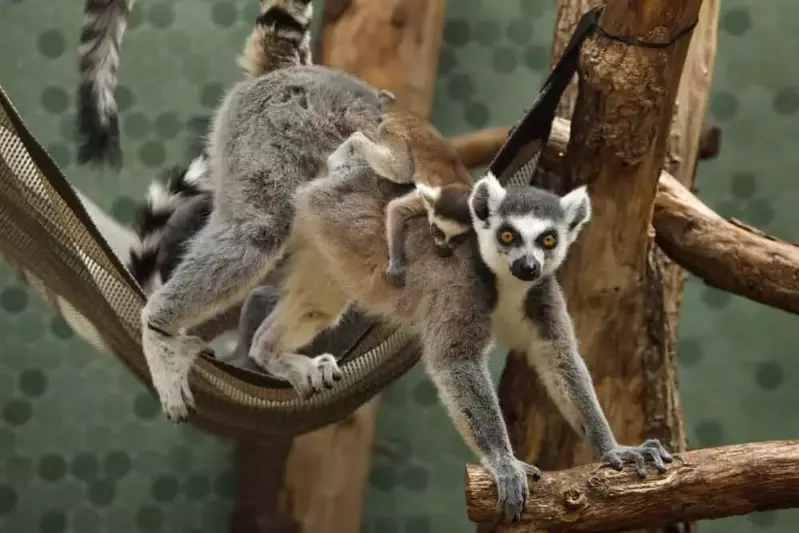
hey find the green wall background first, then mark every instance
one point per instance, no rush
(84, 449)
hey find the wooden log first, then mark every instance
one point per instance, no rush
(699, 485)
(316, 482)
(725, 253)
(612, 284)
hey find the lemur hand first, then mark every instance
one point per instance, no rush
(510, 476)
(651, 449)
(395, 273)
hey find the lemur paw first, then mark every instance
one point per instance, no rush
(322, 373)
(169, 360)
(395, 273)
(385, 99)
(512, 488)
(651, 449)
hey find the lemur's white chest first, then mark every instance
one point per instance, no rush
(509, 323)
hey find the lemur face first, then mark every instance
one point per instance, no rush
(526, 231)
(448, 215)
(448, 234)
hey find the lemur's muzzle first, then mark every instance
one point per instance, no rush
(526, 268)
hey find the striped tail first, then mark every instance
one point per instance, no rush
(280, 38)
(172, 213)
(104, 23)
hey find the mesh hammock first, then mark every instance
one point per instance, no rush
(46, 232)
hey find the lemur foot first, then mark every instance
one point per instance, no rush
(306, 375)
(511, 479)
(395, 273)
(651, 449)
(169, 360)
(322, 373)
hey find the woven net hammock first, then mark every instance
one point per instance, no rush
(46, 232)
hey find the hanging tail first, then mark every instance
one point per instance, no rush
(104, 23)
(172, 213)
(280, 38)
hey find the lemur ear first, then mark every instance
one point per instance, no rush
(577, 208)
(486, 196)
(429, 194)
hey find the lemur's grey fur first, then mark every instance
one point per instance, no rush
(487, 292)
(269, 141)
(270, 135)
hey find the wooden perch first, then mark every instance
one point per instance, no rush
(699, 485)
(725, 253)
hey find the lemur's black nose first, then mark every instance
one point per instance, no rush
(525, 269)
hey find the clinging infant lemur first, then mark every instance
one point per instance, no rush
(410, 150)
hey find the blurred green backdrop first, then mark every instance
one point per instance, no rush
(84, 449)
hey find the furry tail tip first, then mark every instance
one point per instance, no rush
(104, 24)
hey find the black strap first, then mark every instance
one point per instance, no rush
(526, 140)
(535, 126)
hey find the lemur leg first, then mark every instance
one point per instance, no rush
(455, 350)
(556, 358)
(309, 303)
(398, 211)
(220, 267)
(259, 304)
(392, 163)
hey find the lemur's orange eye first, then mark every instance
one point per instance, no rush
(549, 241)
(506, 237)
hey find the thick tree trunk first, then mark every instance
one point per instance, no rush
(316, 482)
(612, 281)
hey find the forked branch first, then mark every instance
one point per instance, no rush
(699, 485)
(725, 253)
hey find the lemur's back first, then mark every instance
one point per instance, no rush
(272, 133)
(347, 223)
(433, 155)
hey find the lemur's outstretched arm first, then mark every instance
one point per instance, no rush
(398, 211)
(454, 353)
(563, 371)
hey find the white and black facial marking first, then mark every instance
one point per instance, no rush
(526, 231)
(447, 233)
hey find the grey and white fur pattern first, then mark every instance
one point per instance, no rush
(280, 38)
(104, 24)
(173, 210)
(271, 134)
(269, 141)
(493, 289)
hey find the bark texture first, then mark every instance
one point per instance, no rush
(612, 282)
(700, 484)
(316, 482)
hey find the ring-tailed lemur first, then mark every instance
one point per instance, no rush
(271, 136)
(500, 286)
(411, 150)
(280, 38)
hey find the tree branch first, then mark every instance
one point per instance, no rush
(724, 253)
(699, 485)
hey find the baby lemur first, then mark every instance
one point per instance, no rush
(274, 197)
(411, 150)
